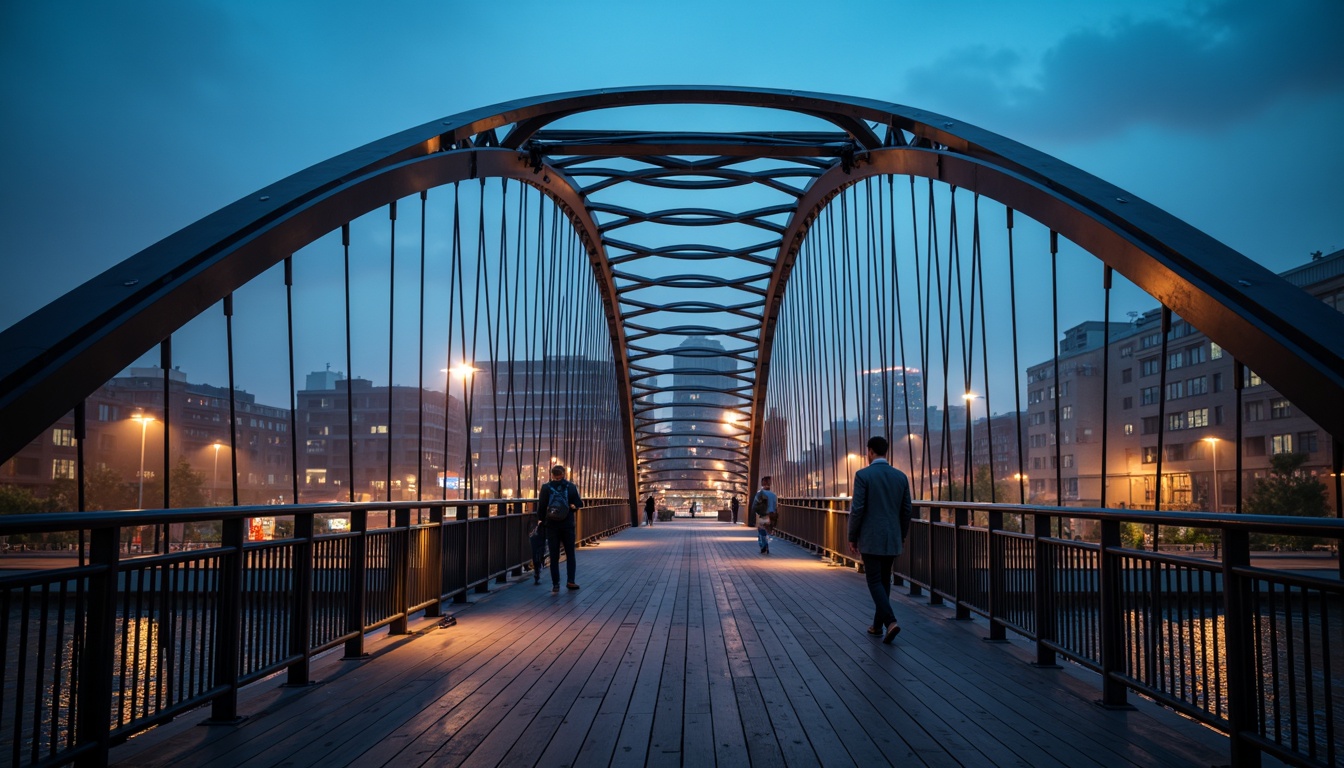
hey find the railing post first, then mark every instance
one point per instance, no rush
(1241, 673)
(300, 633)
(1113, 691)
(355, 607)
(517, 528)
(935, 517)
(1044, 593)
(995, 576)
(98, 657)
(401, 593)
(435, 550)
(228, 627)
(464, 554)
(483, 513)
(960, 558)
(502, 511)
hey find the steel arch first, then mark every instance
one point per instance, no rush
(55, 357)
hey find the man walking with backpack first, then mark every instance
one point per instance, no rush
(556, 504)
(766, 508)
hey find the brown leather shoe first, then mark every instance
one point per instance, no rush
(571, 585)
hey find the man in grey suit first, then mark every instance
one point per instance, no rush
(879, 520)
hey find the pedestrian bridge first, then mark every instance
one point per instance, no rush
(674, 291)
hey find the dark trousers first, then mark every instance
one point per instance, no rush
(557, 536)
(877, 570)
(538, 542)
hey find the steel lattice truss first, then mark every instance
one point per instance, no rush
(691, 281)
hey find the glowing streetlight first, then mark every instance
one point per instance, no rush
(144, 420)
(214, 480)
(1213, 448)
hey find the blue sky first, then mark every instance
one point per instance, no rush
(125, 122)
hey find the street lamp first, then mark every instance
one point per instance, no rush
(1213, 449)
(464, 371)
(144, 420)
(214, 480)
(848, 483)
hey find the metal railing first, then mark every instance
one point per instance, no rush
(118, 643)
(1256, 653)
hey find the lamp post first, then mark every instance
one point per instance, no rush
(214, 479)
(968, 475)
(464, 371)
(1213, 449)
(849, 483)
(144, 420)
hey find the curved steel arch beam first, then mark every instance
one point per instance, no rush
(61, 353)
(1252, 313)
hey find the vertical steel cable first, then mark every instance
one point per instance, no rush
(349, 368)
(1161, 411)
(420, 367)
(898, 319)
(1106, 374)
(233, 397)
(293, 384)
(454, 267)
(945, 467)
(391, 341)
(978, 269)
(922, 287)
(166, 365)
(1017, 380)
(1238, 383)
(1056, 388)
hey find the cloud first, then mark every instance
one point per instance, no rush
(1205, 68)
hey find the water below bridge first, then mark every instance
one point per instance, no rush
(685, 646)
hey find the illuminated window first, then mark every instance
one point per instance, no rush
(63, 469)
(63, 437)
(1280, 444)
(1215, 351)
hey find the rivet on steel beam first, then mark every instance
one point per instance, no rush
(129, 283)
(1121, 200)
(264, 198)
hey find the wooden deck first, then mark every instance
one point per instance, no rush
(686, 647)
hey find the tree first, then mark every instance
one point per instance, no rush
(103, 490)
(1287, 491)
(187, 490)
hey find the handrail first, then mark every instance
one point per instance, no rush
(1251, 651)
(94, 653)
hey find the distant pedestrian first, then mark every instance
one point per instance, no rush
(557, 504)
(649, 507)
(692, 509)
(879, 521)
(733, 506)
(766, 509)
